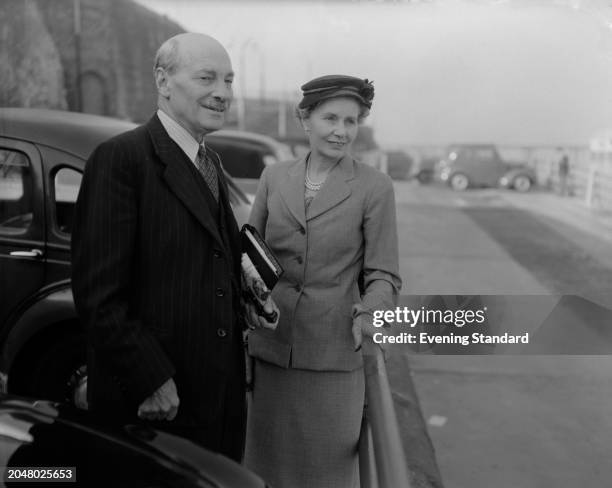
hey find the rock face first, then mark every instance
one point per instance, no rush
(107, 69)
(31, 73)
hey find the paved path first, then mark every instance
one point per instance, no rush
(509, 421)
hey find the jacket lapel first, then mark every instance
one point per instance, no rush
(292, 191)
(180, 179)
(335, 189)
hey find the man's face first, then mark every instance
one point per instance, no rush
(199, 91)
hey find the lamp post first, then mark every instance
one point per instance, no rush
(77, 54)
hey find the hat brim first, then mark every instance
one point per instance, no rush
(314, 98)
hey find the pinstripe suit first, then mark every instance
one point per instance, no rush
(155, 267)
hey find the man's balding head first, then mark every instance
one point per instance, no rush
(194, 76)
(169, 54)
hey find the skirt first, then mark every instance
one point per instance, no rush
(303, 427)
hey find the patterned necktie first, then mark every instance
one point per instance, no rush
(208, 170)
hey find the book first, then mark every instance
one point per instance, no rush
(260, 273)
(261, 256)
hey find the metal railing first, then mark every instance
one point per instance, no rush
(382, 462)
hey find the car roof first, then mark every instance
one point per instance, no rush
(72, 132)
(241, 134)
(19, 415)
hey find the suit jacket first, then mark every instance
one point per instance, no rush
(155, 267)
(349, 228)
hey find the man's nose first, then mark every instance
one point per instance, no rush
(223, 91)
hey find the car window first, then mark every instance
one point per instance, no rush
(16, 192)
(66, 184)
(484, 154)
(239, 158)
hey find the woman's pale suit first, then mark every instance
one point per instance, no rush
(307, 402)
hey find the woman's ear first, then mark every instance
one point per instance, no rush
(305, 125)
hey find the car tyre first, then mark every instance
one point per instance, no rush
(459, 182)
(522, 183)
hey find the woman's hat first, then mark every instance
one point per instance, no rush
(333, 86)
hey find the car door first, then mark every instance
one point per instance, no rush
(64, 173)
(488, 169)
(22, 224)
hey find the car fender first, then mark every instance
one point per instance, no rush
(53, 305)
(514, 172)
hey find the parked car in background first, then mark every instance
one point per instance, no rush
(399, 165)
(244, 155)
(85, 452)
(42, 156)
(478, 165)
(424, 169)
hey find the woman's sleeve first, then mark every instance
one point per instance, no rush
(259, 212)
(381, 278)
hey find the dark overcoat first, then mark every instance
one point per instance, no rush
(155, 282)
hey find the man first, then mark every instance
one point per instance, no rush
(156, 261)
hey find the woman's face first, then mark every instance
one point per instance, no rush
(332, 127)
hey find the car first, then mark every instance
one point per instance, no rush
(42, 156)
(244, 155)
(84, 451)
(480, 165)
(399, 165)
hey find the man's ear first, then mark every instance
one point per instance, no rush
(161, 81)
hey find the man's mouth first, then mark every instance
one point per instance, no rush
(215, 108)
(337, 143)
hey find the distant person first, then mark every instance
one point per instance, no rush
(156, 260)
(563, 171)
(329, 219)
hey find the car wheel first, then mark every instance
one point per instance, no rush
(58, 372)
(522, 183)
(423, 177)
(459, 182)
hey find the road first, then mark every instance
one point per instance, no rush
(507, 421)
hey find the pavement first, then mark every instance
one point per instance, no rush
(487, 414)
(572, 211)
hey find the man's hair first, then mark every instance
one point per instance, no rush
(167, 56)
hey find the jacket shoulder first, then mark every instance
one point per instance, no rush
(372, 176)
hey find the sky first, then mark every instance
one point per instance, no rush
(501, 71)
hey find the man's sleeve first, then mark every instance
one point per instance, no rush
(104, 260)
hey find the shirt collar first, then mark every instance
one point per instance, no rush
(179, 135)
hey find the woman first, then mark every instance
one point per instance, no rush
(328, 219)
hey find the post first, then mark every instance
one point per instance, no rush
(77, 54)
(389, 454)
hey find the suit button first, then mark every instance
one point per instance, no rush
(297, 287)
(217, 253)
(302, 231)
(221, 332)
(220, 292)
(299, 259)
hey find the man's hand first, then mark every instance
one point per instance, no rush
(256, 321)
(162, 404)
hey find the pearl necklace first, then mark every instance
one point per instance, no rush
(311, 185)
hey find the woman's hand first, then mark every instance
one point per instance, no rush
(362, 326)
